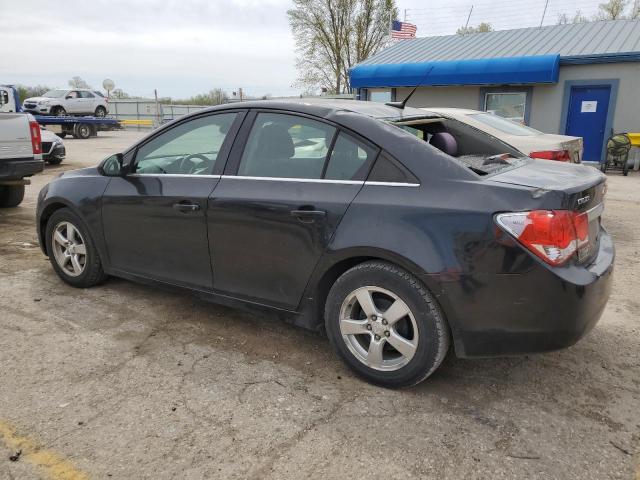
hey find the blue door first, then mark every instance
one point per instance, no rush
(587, 118)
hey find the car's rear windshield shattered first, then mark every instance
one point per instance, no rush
(482, 153)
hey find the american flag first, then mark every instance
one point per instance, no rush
(403, 30)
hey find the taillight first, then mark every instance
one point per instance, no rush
(559, 155)
(36, 140)
(552, 235)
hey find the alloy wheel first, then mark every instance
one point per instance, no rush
(378, 328)
(69, 249)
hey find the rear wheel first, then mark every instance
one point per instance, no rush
(101, 112)
(58, 111)
(11, 195)
(71, 250)
(82, 131)
(54, 161)
(385, 325)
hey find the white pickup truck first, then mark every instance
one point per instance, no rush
(20, 155)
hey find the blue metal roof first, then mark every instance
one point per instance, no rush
(522, 56)
(486, 71)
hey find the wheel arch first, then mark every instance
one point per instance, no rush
(44, 217)
(334, 264)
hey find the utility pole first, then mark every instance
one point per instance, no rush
(240, 93)
(405, 14)
(155, 94)
(544, 12)
(466, 26)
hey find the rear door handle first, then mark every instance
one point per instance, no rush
(308, 216)
(186, 207)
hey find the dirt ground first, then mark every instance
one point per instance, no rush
(125, 381)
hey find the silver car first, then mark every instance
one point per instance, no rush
(70, 101)
(531, 142)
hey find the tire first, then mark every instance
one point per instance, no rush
(11, 195)
(603, 167)
(423, 327)
(58, 111)
(62, 134)
(625, 168)
(54, 161)
(83, 131)
(86, 271)
(101, 111)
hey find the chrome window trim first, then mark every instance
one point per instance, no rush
(191, 175)
(323, 180)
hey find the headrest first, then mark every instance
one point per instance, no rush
(274, 141)
(445, 142)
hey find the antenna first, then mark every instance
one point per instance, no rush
(402, 104)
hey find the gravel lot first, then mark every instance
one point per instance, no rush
(124, 381)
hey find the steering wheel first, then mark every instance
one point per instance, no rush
(187, 164)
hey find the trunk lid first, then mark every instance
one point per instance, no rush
(583, 189)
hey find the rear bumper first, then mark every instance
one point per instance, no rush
(542, 310)
(19, 168)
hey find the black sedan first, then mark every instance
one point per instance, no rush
(396, 231)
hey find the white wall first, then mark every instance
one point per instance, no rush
(547, 100)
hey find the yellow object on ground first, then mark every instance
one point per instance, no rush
(53, 465)
(635, 139)
(144, 122)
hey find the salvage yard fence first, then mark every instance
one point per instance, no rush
(142, 113)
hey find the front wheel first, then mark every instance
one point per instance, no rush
(58, 111)
(71, 250)
(384, 323)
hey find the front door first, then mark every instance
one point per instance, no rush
(587, 118)
(73, 102)
(271, 220)
(155, 218)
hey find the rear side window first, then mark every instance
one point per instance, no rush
(286, 146)
(84, 94)
(349, 159)
(388, 169)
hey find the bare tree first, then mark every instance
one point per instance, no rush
(119, 94)
(578, 17)
(483, 27)
(612, 10)
(334, 35)
(77, 82)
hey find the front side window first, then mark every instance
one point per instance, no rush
(73, 94)
(190, 148)
(286, 146)
(4, 97)
(510, 105)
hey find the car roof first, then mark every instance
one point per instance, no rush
(324, 107)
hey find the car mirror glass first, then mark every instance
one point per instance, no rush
(113, 166)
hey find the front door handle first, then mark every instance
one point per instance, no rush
(308, 216)
(186, 207)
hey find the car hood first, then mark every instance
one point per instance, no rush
(551, 175)
(81, 172)
(48, 136)
(37, 99)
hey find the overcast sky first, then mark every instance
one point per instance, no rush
(185, 47)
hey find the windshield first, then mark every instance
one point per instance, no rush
(55, 93)
(504, 125)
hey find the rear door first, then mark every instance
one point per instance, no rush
(287, 185)
(155, 218)
(87, 102)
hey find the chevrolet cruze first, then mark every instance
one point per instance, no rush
(396, 232)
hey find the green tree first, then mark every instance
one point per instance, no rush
(28, 92)
(333, 35)
(481, 28)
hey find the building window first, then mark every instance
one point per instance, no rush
(381, 96)
(511, 105)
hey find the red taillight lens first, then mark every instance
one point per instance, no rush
(552, 235)
(559, 155)
(36, 141)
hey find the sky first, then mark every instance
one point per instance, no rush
(186, 47)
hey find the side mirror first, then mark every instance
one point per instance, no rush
(114, 166)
